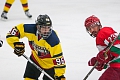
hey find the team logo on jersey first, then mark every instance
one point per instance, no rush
(41, 51)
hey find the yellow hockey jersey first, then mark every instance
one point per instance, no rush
(46, 53)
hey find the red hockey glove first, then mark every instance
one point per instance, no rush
(102, 60)
(101, 57)
(19, 48)
(92, 62)
(60, 77)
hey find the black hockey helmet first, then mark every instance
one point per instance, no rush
(43, 20)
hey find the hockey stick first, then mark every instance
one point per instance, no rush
(105, 57)
(37, 67)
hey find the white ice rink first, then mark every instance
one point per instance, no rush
(68, 18)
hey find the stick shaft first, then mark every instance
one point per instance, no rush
(37, 67)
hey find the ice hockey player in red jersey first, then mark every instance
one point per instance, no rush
(104, 38)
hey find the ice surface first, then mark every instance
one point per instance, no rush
(68, 20)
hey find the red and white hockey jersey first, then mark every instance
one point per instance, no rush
(104, 37)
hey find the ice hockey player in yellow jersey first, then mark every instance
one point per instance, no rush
(45, 45)
(8, 5)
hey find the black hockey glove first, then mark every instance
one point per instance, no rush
(60, 78)
(19, 48)
(1, 43)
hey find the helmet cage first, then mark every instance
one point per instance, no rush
(90, 33)
(95, 24)
(44, 35)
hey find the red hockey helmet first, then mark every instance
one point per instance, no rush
(91, 21)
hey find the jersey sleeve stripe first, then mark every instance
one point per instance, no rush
(60, 66)
(57, 55)
(11, 36)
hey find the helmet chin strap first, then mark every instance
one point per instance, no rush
(92, 35)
